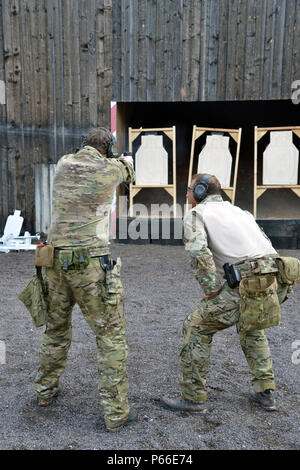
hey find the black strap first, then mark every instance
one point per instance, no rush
(39, 273)
(106, 263)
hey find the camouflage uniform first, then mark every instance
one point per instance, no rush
(216, 314)
(83, 190)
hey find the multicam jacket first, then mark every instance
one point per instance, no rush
(83, 189)
(217, 232)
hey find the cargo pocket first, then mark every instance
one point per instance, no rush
(35, 298)
(114, 290)
(259, 304)
(283, 291)
(44, 256)
(190, 322)
(289, 270)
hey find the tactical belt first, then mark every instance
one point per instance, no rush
(92, 252)
(234, 273)
(264, 265)
(79, 257)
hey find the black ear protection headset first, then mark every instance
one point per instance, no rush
(200, 189)
(110, 144)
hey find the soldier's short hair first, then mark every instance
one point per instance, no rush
(213, 184)
(99, 138)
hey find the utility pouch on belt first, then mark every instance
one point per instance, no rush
(81, 258)
(35, 298)
(44, 256)
(289, 270)
(65, 259)
(259, 304)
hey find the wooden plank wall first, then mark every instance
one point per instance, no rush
(57, 68)
(44, 175)
(205, 50)
(63, 61)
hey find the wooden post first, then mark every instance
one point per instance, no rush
(236, 164)
(174, 172)
(130, 186)
(255, 171)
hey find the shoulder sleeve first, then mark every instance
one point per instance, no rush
(61, 161)
(127, 174)
(195, 240)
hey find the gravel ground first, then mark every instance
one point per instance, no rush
(159, 291)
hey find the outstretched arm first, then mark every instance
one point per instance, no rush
(126, 168)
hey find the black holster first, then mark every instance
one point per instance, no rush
(232, 275)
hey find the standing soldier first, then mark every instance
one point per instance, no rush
(258, 280)
(83, 273)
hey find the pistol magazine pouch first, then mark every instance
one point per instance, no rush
(44, 256)
(34, 297)
(65, 259)
(259, 304)
(81, 257)
(78, 258)
(289, 270)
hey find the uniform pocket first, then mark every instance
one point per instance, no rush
(289, 270)
(113, 282)
(44, 256)
(35, 298)
(112, 294)
(259, 304)
(283, 291)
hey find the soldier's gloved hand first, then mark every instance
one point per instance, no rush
(127, 158)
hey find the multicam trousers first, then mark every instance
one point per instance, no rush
(214, 315)
(102, 307)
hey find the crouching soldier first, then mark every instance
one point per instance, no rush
(221, 236)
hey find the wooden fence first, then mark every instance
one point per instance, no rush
(63, 61)
(57, 69)
(205, 50)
